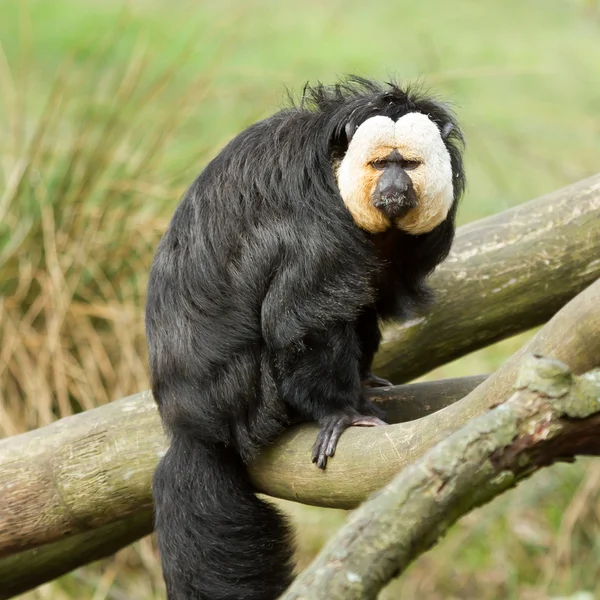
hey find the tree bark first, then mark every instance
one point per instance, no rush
(403, 403)
(505, 274)
(49, 526)
(26, 570)
(554, 416)
(78, 474)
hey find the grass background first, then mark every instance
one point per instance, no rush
(109, 109)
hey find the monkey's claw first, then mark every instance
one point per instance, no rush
(332, 427)
(372, 381)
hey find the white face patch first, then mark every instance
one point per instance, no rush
(417, 138)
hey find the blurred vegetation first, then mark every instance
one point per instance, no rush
(109, 109)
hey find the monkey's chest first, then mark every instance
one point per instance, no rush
(385, 250)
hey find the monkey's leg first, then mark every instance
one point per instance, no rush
(320, 380)
(367, 330)
(332, 427)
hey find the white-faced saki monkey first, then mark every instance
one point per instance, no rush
(263, 307)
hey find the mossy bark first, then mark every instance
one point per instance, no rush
(553, 416)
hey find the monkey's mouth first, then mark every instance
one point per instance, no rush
(394, 207)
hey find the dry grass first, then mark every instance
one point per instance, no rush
(86, 194)
(82, 210)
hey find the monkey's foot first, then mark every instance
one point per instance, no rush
(372, 381)
(371, 409)
(332, 427)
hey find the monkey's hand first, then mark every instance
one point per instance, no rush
(334, 424)
(372, 381)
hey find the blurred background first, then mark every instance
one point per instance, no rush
(109, 109)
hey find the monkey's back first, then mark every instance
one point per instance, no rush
(255, 236)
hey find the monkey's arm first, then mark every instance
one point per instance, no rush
(311, 335)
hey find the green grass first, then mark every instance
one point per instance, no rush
(109, 109)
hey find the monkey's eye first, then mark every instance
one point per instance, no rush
(383, 163)
(409, 165)
(379, 164)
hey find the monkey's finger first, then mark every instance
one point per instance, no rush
(322, 462)
(338, 429)
(318, 453)
(320, 449)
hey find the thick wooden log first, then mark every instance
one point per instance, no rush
(28, 569)
(95, 468)
(78, 474)
(506, 274)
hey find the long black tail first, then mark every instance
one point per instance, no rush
(217, 540)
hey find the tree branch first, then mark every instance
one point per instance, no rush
(553, 416)
(113, 451)
(95, 468)
(28, 569)
(50, 526)
(285, 471)
(506, 274)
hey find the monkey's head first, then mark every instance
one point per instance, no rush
(397, 173)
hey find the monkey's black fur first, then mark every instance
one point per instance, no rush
(262, 308)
